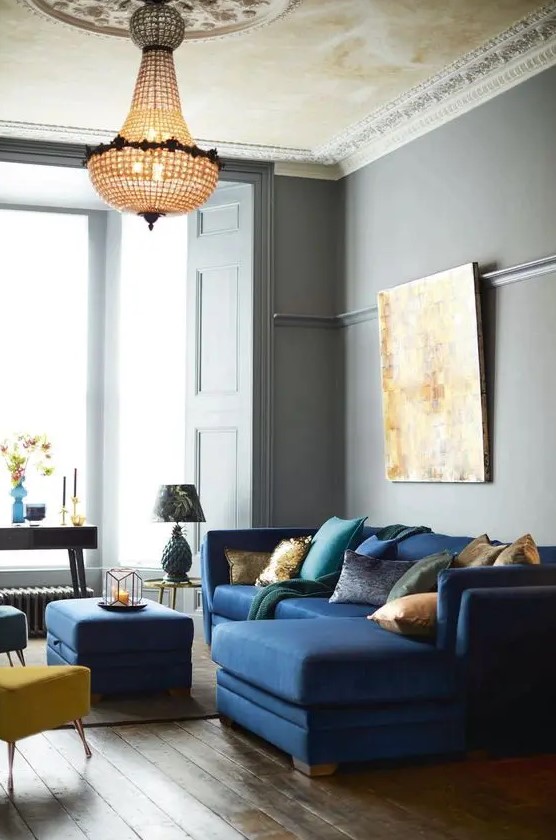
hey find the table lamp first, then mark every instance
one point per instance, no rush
(177, 503)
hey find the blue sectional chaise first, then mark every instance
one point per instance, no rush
(341, 689)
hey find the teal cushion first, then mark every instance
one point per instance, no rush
(422, 576)
(329, 543)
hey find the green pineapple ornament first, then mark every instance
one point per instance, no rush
(177, 503)
(176, 557)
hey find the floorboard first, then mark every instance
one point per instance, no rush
(197, 780)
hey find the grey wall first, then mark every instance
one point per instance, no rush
(307, 412)
(481, 188)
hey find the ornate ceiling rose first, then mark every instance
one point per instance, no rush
(203, 19)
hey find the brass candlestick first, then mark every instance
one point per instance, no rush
(77, 519)
(63, 514)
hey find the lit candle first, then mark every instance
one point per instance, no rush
(64, 492)
(120, 597)
(75, 482)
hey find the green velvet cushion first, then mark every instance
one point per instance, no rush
(422, 576)
(329, 543)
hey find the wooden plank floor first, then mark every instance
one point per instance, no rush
(199, 780)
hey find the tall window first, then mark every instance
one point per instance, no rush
(43, 353)
(93, 354)
(152, 370)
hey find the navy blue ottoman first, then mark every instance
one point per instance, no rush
(127, 652)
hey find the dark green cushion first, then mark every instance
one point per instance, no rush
(329, 543)
(422, 576)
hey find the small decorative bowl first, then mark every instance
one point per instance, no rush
(35, 513)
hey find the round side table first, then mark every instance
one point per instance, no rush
(162, 585)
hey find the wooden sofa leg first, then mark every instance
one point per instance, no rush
(179, 692)
(21, 657)
(314, 769)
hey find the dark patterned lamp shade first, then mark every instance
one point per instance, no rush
(177, 503)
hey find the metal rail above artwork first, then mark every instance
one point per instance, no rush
(489, 280)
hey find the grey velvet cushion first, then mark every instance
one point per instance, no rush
(367, 580)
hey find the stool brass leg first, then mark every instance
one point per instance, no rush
(21, 657)
(174, 593)
(11, 752)
(160, 594)
(10, 658)
(79, 726)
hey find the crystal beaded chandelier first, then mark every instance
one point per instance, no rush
(153, 166)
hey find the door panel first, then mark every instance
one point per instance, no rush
(220, 358)
(218, 330)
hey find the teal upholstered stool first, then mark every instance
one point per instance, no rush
(13, 632)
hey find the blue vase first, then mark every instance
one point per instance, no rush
(18, 492)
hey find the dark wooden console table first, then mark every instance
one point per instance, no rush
(43, 537)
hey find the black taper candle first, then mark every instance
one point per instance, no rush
(75, 482)
(64, 492)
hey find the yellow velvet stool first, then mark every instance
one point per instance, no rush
(37, 698)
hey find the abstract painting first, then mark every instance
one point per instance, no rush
(433, 384)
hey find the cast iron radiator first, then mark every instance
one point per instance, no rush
(32, 600)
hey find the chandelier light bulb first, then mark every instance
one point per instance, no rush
(153, 166)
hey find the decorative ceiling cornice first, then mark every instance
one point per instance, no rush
(522, 51)
(516, 54)
(75, 134)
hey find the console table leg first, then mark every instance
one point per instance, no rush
(73, 571)
(81, 572)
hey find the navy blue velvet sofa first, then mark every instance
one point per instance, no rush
(341, 689)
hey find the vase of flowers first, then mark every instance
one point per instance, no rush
(19, 451)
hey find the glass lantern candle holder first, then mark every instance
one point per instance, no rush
(122, 588)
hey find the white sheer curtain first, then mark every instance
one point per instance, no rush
(43, 354)
(44, 277)
(152, 370)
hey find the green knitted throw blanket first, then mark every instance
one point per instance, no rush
(400, 532)
(265, 602)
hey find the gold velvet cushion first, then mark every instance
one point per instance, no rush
(246, 566)
(285, 561)
(412, 615)
(523, 550)
(479, 552)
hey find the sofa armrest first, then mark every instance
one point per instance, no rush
(505, 642)
(452, 583)
(214, 566)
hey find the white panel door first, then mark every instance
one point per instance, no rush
(220, 358)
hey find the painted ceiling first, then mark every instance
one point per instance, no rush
(291, 78)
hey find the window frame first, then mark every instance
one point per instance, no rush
(102, 432)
